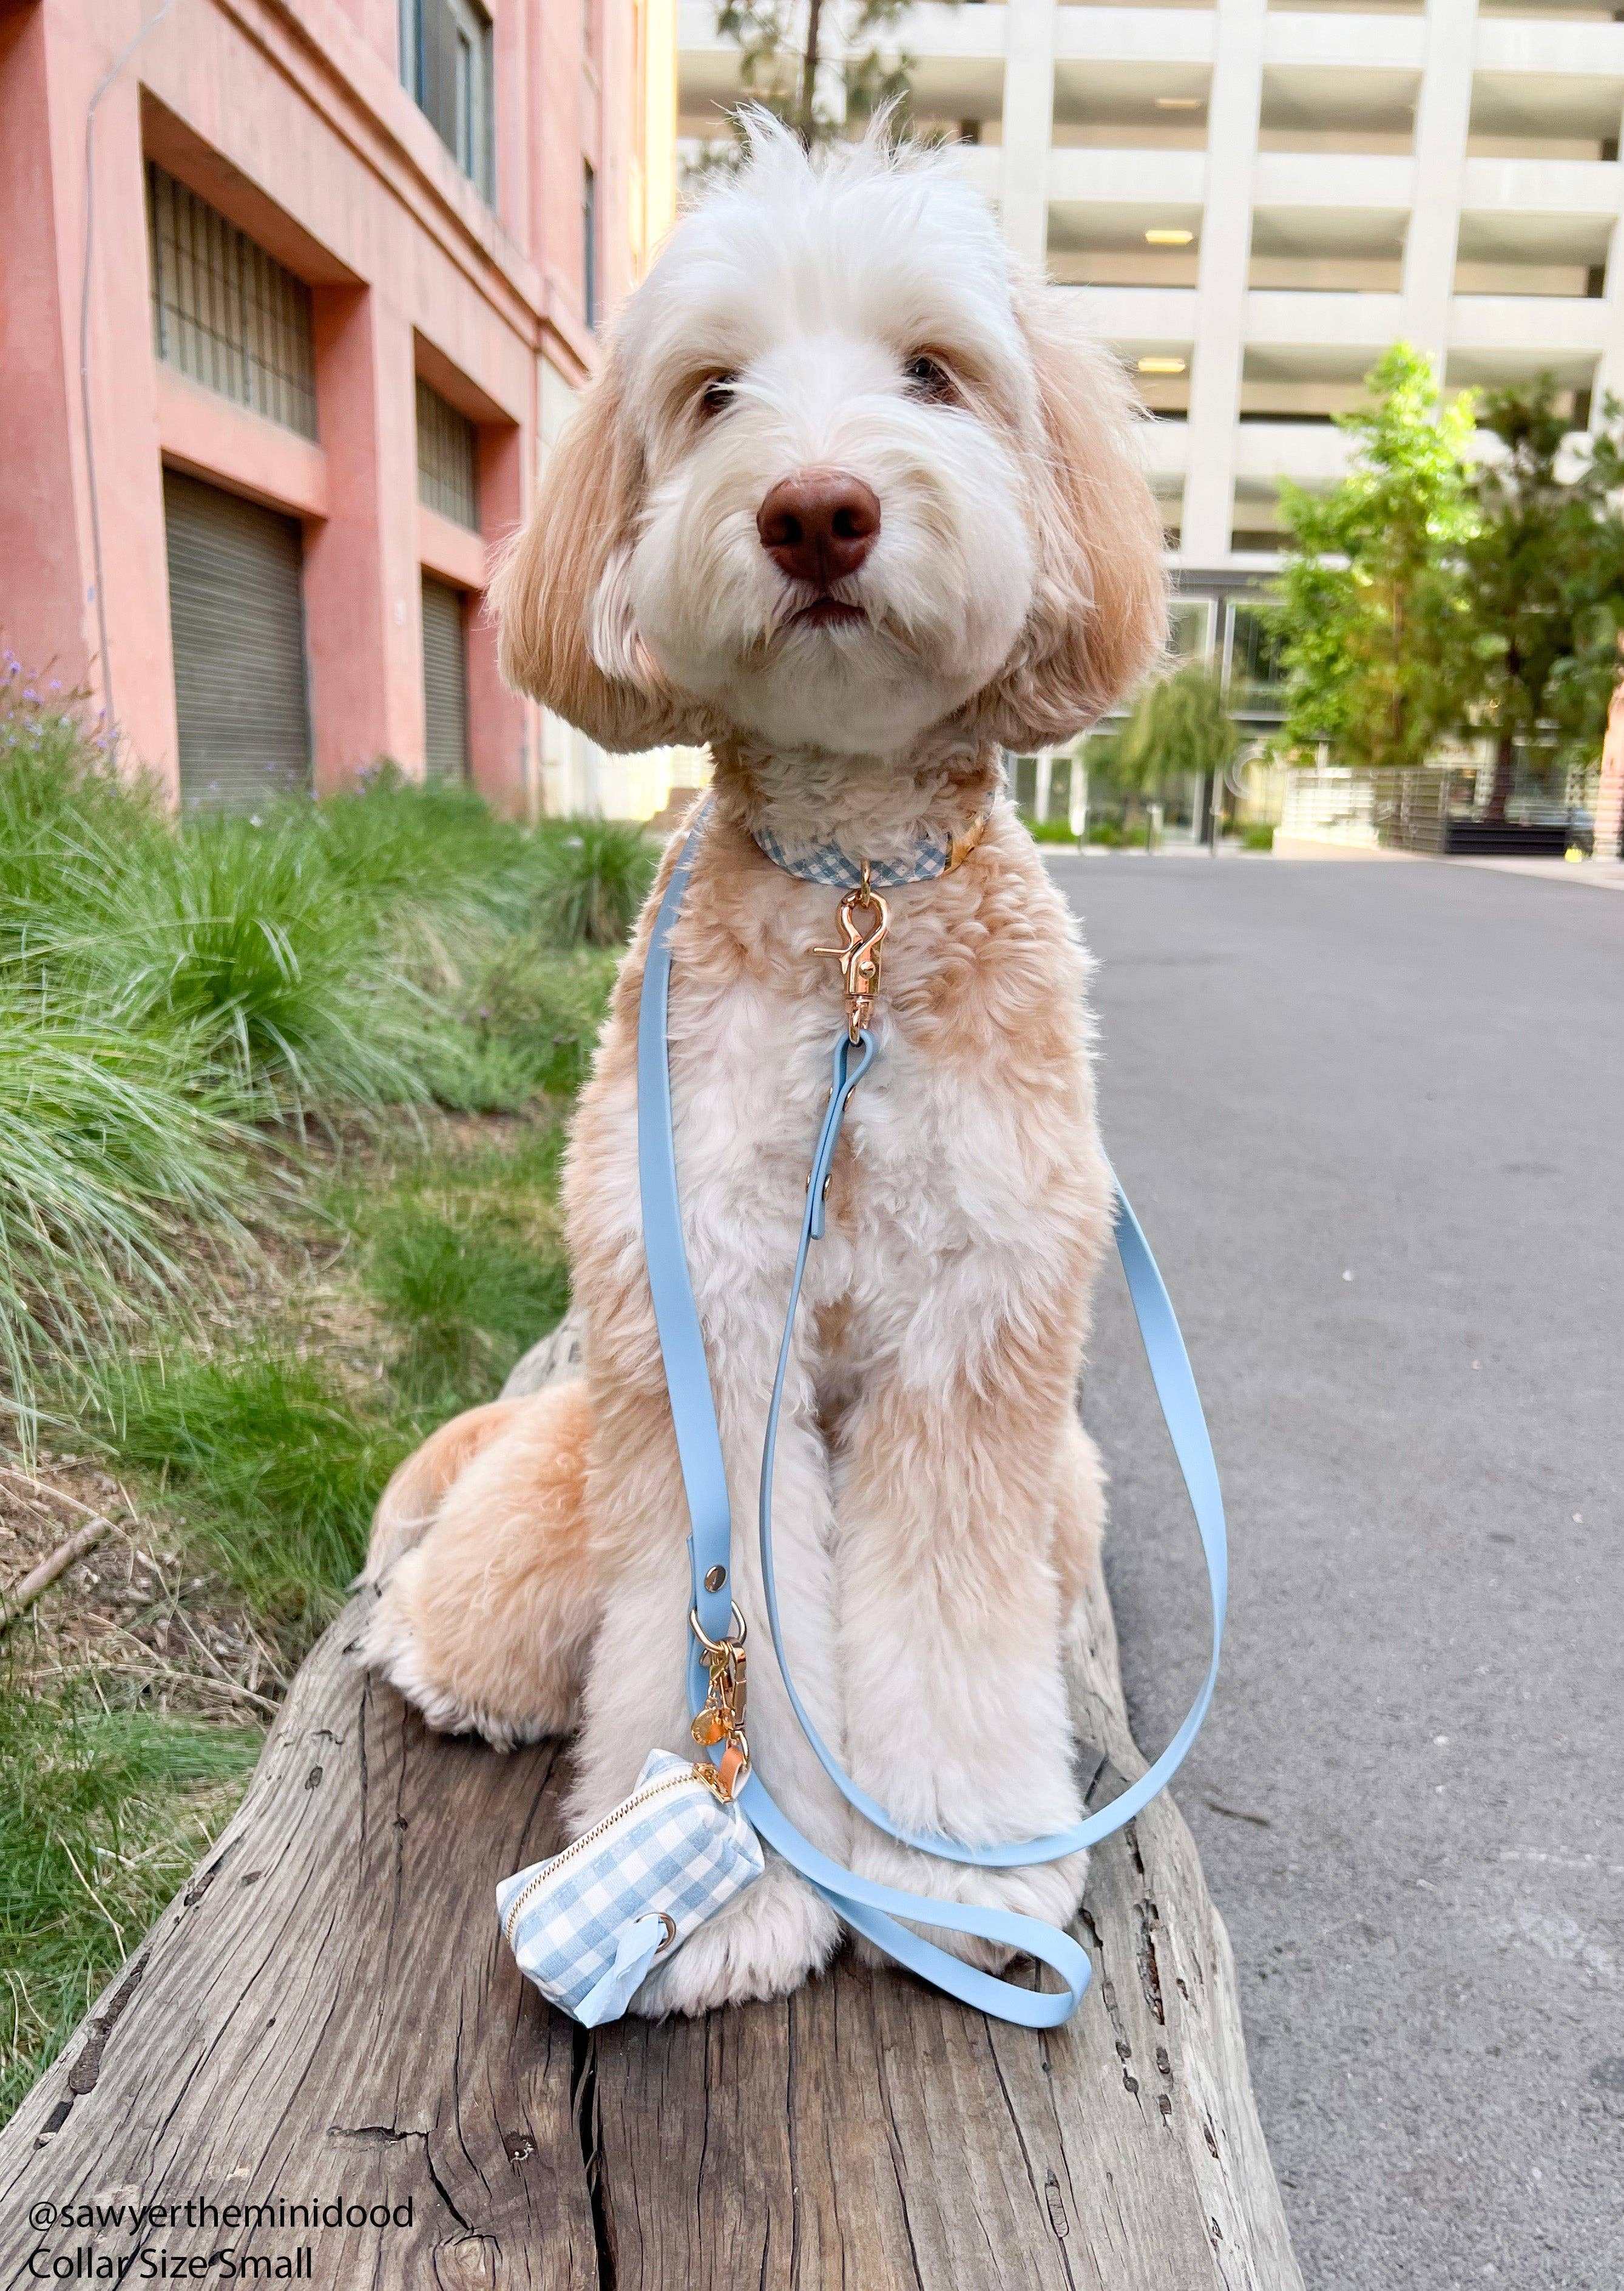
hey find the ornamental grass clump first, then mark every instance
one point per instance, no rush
(113, 1169)
(240, 937)
(589, 878)
(118, 1152)
(181, 1004)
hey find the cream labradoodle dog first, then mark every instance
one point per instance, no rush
(852, 502)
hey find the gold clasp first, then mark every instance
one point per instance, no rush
(859, 957)
(722, 1719)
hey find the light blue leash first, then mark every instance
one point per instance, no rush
(871, 1909)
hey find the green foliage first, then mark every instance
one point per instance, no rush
(546, 1010)
(1369, 608)
(786, 69)
(102, 1813)
(1178, 724)
(1544, 579)
(1051, 830)
(170, 998)
(274, 1467)
(531, 1024)
(117, 1149)
(424, 851)
(110, 1167)
(467, 1293)
(1257, 838)
(240, 937)
(589, 878)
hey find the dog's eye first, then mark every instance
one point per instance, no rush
(717, 395)
(928, 379)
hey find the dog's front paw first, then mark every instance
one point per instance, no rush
(764, 1943)
(401, 1643)
(1050, 1891)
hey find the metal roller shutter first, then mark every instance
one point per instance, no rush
(445, 682)
(236, 616)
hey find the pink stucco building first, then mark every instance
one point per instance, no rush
(293, 294)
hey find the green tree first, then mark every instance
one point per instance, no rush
(813, 66)
(1369, 607)
(1544, 578)
(1178, 724)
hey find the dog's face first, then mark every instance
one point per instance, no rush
(846, 477)
(829, 393)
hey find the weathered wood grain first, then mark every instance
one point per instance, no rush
(327, 2014)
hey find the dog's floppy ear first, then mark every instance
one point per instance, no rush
(559, 593)
(1098, 617)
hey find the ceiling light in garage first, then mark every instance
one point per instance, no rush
(1160, 365)
(1168, 237)
(1178, 104)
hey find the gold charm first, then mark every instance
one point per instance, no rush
(722, 1716)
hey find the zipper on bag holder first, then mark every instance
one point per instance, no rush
(700, 1773)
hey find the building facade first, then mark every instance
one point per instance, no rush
(294, 295)
(1252, 202)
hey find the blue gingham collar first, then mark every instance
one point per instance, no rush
(830, 864)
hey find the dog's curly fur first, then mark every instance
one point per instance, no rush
(938, 1507)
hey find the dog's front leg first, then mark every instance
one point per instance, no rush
(768, 1940)
(951, 1635)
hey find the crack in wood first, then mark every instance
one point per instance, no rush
(588, 2130)
(85, 2073)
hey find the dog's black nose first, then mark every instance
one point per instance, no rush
(818, 525)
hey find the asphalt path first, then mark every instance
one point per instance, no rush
(1372, 1116)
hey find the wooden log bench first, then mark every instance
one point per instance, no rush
(325, 2028)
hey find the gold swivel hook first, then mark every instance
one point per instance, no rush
(859, 957)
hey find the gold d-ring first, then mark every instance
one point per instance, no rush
(716, 1646)
(669, 1923)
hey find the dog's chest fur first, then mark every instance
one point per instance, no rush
(969, 1180)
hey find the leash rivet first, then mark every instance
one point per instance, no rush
(715, 1577)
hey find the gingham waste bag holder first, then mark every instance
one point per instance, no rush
(587, 1926)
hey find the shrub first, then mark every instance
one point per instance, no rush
(590, 878)
(1258, 839)
(549, 1011)
(1051, 831)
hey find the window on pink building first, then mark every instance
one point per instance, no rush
(446, 459)
(224, 311)
(446, 64)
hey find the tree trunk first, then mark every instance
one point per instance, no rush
(1610, 796)
(1505, 772)
(809, 73)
